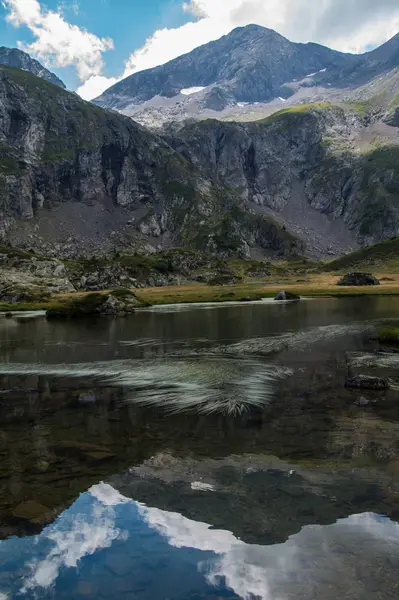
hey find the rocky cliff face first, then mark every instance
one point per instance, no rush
(75, 179)
(12, 57)
(312, 166)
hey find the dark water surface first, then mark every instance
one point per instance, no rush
(200, 453)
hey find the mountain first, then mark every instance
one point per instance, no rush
(12, 57)
(75, 179)
(78, 180)
(249, 74)
(250, 64)
(363, 68)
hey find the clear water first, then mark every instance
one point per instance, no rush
(200, 453)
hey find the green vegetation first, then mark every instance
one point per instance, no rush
(294, 111)
(122, 293)
(83, 306)
(32, 83)
(364, 107)
(383, 256)
(388, 335)
(394, 101)
(254, 291)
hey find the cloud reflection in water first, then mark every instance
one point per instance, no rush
(249, 570)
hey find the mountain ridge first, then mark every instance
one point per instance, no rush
(226, 62)
(248, 73)
(13, 57)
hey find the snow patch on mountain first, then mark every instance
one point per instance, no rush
(192, 90)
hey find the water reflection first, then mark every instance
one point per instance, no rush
(108, 538)
(235, 463)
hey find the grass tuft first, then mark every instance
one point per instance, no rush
(388, 335)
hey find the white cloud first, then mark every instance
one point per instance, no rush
(96, 85)
(82, 536)
(268, 572)
(57, 42)
(249, 570)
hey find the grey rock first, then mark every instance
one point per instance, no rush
(362, 401)
(366, 382)
(358, 279)
(283, 295)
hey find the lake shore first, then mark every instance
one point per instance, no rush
(317, 285)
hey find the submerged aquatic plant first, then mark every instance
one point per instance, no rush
(205, 385)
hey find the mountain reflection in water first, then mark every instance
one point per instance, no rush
(130, 539)
(200, 454)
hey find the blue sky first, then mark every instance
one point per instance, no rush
(128, 23)
(92, 44)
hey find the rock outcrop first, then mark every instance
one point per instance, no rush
(283, 295)
(366, 382)
(358, 279)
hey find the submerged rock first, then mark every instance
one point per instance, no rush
(33, 512)
(362, 401)
(283, 295)
(358, 279)
(366, 382)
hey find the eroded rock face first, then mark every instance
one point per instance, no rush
(358, 279)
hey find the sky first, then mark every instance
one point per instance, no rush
(92, 44)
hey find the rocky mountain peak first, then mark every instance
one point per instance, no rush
(13, 57)
(250, 64)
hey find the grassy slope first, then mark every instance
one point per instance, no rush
(383, 256)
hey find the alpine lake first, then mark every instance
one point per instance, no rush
(192, 452)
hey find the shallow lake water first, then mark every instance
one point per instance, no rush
(200, 452)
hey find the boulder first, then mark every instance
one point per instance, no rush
(366, 382)
(358, 279)
(283, 295)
